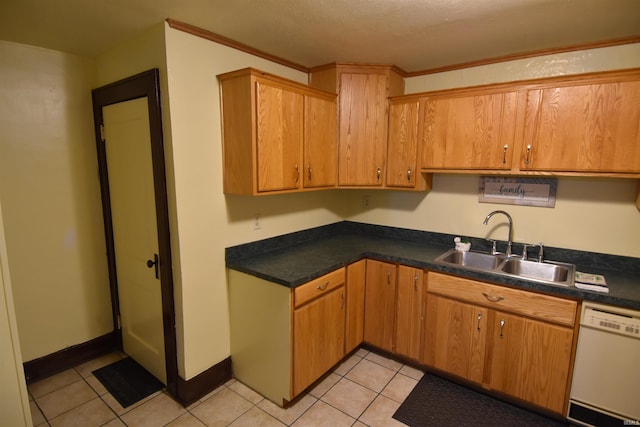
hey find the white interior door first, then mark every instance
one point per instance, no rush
(133, 210)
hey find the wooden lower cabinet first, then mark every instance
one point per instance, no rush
(380, 305)
(498, 344)
(318, 338)
(409, 312)
(455, 337)
(394, 308)
(508, 340)
(354, 323)
(531, 360)
(284, 339)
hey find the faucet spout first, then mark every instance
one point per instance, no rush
(510, 241)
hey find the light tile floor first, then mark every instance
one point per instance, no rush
(365, 390)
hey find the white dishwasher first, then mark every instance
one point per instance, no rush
(605, 390)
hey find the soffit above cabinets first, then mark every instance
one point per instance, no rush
(415, 35)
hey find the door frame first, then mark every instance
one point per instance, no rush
(138, 86)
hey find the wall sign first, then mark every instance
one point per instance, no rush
(518, 191)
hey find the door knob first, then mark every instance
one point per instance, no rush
(154, 263)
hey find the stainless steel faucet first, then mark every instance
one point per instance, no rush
(510, 241)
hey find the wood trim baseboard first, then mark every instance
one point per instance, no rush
(43, 367)
(188, 391)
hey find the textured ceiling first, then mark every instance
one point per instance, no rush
(415, 35)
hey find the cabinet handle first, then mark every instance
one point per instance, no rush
(479, 318)
(492, 298)
(297, 173)
(322, 287)
(501, 328)
(409, 174)
(379, 173)
(415, 282)
(389, 277)
(504, 153)
(526, 159)
(309, 172)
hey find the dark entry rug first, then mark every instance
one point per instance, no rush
(438, 402)
(127, 381)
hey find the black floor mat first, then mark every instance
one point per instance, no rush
(127, 381)
(438, 402)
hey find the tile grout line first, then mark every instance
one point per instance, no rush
(360, 355)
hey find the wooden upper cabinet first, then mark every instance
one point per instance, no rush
(279, 137)
(320, 141)
(589, 127)
(275, 131)
(362, 119)
(363, 129)
(469, 130)
(402, 149)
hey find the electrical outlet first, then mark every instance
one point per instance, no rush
(257, 222)
(366, 202)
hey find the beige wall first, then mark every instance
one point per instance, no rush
(596, 215)
(51, 200)
(208, 221)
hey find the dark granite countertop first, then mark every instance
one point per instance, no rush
(296, 258)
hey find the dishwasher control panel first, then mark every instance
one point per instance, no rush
(612, 319)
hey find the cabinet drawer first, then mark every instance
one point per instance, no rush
(532, 304)
(318, 287)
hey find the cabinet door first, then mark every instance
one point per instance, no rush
(354, 327)
(455, 337)
(530, 360)
(380, 304)
(402, 144)
(409, 312)
(279, 137)
(363, 129)
(591, 128)
(320, 142)
(469, 132)
(318, 338)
